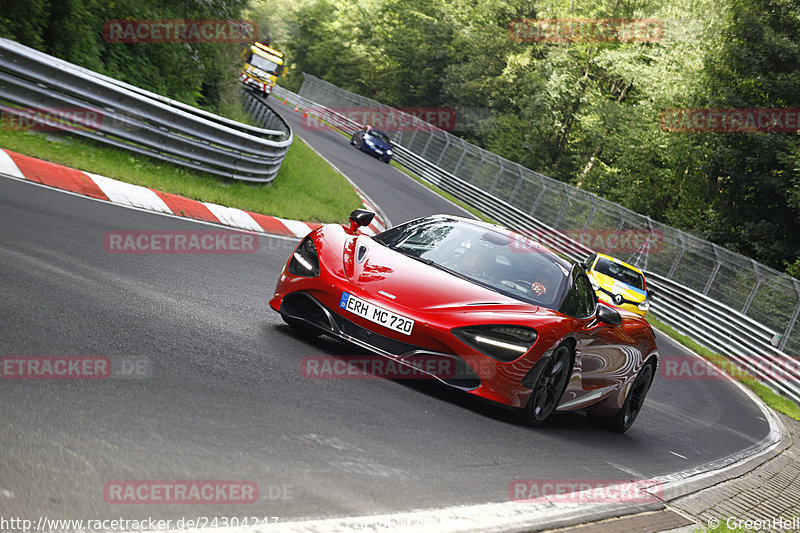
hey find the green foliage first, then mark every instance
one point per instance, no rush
(306, 187)
(587, 113)
(754, 176)
(203, 74)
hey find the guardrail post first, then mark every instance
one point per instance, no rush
(460, 160)
(477, 168)
(430, 138)
(518, 185)
(444, 150)
(563, 208)
(713, 272)
(678, 257)
(753, 292)
(792, 321)
(496, 176)
(538, 199)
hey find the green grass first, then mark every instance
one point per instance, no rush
(771, 398)
(306, 187)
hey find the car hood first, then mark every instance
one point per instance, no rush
(616, 286)
(392, 276)
(379, 143)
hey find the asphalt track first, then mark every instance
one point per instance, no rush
(226, 400)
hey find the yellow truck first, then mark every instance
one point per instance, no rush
(262, 66)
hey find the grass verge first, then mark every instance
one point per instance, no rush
(306, 187)
(771, 398)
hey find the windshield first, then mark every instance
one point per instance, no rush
(379, 135)
(265, 64)
(620, 273)
(505, 263)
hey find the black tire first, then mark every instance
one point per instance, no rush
(550, 384)
(634, 401)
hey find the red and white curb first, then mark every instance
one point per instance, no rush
(121, 193)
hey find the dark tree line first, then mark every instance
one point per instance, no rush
(202, 74)
(588, 113)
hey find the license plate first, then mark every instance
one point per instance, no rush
(376, 314)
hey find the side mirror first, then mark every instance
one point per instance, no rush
(608, 315)
(360, 217)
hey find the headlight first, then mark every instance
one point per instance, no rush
(388, 152)
(369, 142)
(644, 306)
(503, 343)
(304, 260)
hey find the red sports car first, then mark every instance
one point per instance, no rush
(515, 323)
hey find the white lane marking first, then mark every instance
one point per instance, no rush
(123, 193)
(233, 217)
(7, 166)
(678, 455)
(301, 229)
(627, 470)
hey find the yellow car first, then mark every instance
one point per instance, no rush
(618, 283)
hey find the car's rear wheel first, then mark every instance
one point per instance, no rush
(625, 417)
(549, 385)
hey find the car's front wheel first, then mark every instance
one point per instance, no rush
(550, 382)
(625, 417)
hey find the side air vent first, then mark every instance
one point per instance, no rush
(361, 253)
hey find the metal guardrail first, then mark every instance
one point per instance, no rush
(709, 322)
(37, 87)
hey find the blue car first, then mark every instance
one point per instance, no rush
(373, 142)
